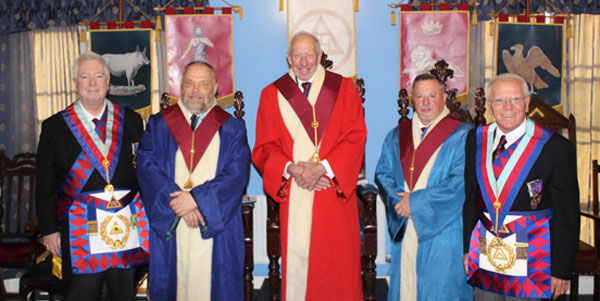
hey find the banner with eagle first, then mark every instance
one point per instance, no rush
(536, 52)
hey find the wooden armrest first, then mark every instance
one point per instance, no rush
(32, 228)
(364, 189)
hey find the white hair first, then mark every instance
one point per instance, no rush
(89, 56)
(304, 33)
(503, 77)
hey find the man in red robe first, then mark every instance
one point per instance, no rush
(310, 138)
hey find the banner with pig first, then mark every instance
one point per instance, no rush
(204, 37)
(127, 53)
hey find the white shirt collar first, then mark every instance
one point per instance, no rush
(188, 114)
(300, 82)
(512, 136)
(91, 117)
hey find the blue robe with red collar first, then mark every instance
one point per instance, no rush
(436, 213)
(219, 200)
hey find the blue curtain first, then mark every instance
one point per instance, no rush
(17, 94)
(23, 15)
(518, 6)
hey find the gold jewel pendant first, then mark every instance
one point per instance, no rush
(315, 158)
(109, 188)
(115, 230)
(500, 255)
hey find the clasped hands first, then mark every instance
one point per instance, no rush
(309, 176)
(184, 206)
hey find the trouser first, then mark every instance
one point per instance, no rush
(120, 284)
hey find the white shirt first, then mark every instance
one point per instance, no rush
(91, 117)
(511, 137)
(300, 82)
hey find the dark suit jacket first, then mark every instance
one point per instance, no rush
(58, 150)
(556, 166)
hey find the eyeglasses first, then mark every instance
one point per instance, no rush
(428, 96)
(515, 100)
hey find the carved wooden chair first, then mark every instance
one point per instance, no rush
(442, 72)
(544, 113)
(247, 205)
(18, 236)
(366, 195)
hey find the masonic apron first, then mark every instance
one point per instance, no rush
(510, 251)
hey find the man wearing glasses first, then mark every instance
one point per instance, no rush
(521, 212)
(420, 178)
(310, 141)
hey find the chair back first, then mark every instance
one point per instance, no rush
(17, 187)
(545, 114)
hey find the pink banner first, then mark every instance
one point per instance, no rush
(426, 37)
(207, 38)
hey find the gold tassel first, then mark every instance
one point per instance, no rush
(157, 29)
(83, 36)
(281, 5)
(57, 266)
(355, 6)
(393, 18)
(238, 9)
(569, 31)
(474, 19)
(492, 29)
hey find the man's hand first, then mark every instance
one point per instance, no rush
(309, 175)
(558, 286)
(466, 263)
(182, 202)
(194, 217)
(52, 243)
(323, 183)
(403, 207)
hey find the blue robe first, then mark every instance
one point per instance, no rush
(219, 201)
(437, 216)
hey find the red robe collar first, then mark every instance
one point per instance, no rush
(323, 107)
(182, 132)
(413, 161)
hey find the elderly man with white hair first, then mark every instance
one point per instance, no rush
(521, 211)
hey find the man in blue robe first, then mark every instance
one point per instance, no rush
(420, 178)
(196, 171)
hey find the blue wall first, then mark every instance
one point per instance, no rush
(260, 42)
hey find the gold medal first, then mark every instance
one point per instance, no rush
(109, 188)
(315, 158)
(500, 255)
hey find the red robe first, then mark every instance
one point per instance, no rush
(334, 255)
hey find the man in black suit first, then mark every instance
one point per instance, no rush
(87, 203)
(521, 212)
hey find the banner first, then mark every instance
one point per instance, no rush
(127, 53)
(204, 37)
(333, 23)
(535, 52)
(428, 36)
